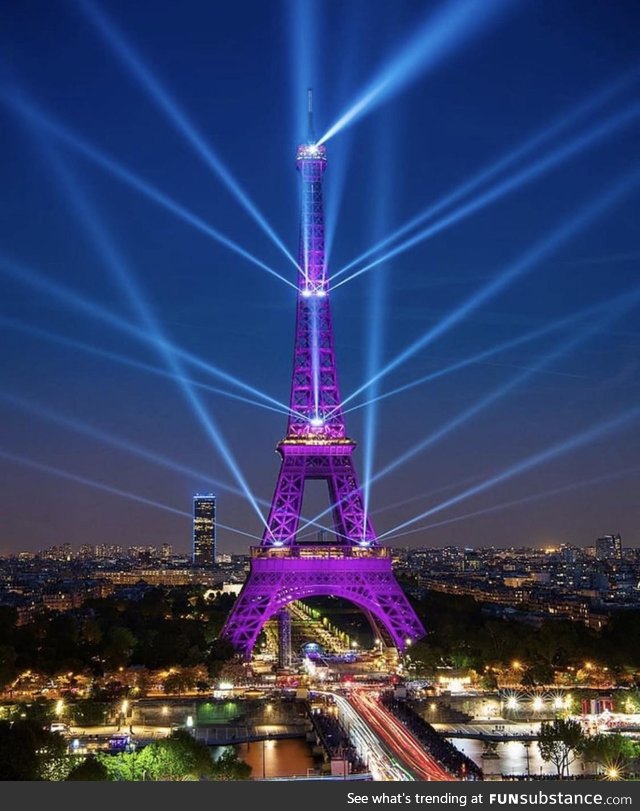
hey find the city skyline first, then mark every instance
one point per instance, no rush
(77, 421)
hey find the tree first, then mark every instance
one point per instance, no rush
(123, 766)
(178, 757)
(8, 670)
(29, 752)
(220, 653)
(611, 753)
(560, 742)
(89, 769)
(119, 647)
(229, 767)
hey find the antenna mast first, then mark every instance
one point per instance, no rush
(311, 134)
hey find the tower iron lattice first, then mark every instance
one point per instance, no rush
(316, 446)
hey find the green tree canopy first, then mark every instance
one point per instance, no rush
(89, 769)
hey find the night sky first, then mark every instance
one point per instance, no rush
(238, 71)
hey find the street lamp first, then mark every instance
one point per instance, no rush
(264, 762)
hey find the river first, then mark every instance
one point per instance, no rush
(511, 759)
(288, 757)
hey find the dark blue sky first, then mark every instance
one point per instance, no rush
(233, 70)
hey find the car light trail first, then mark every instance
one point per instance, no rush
(177, 116)
(29, 111)
(577, 441)
(369, 745)
(445, 30)
(538, 139)
(559, 156)
(406, 747)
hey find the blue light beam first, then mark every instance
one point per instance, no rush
(554, 491)
(622, 304)
(143, 74)
(573, 443)
(443, 31)
(575, 115)
(75, 477)
(376, 323)
(114, 261)
(70, 298)
(492, 351)
(78, 426)
(73, 343)
(107, 488)
(537, 253)
(30, 112)
(572, 149)
(303, 54)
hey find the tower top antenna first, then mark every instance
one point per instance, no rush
(310, 134)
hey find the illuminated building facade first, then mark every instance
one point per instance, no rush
(204, 529)
(609, 547)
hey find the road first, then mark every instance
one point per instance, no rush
(374, 752)
(405, 746)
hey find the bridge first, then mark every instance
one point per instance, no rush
(225, 734)
(497, 732)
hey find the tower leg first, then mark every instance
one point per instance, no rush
(366, 581)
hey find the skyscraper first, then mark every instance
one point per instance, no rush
(609, 547)
(204, 529)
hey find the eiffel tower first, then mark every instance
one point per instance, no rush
(355, 566)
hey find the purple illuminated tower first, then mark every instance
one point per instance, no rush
(316, 446)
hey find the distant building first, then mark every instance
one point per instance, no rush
(166, 551)
(609, 547)
(108, 551)
(204, 529)
(86, 552)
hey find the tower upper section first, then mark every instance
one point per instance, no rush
(316, 413)
(311, 162)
